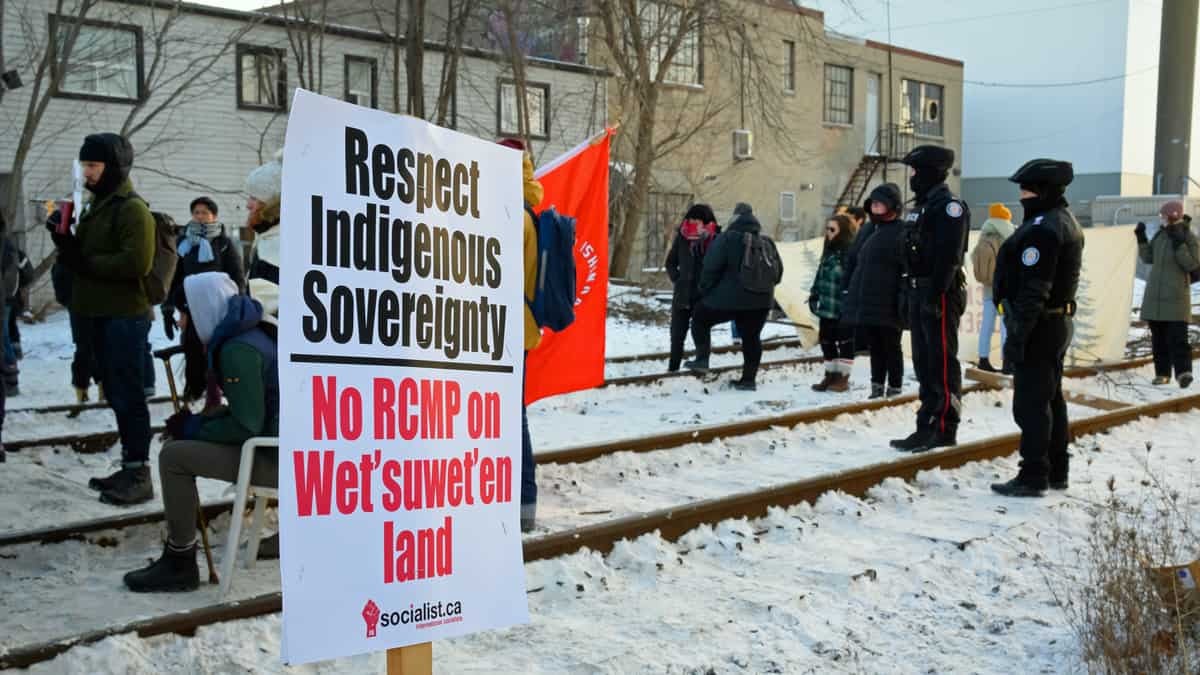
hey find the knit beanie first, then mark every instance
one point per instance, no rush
(266, 182)
(117, 154)
(1172, 210)
(999, 211)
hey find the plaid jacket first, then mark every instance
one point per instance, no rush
(825, 300)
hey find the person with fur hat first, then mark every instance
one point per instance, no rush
(263, 187)
(108, 254)
(228, 332)
(935, 242)
(825, 303)
(725, 294)
(1167, 302)
(532, 192)
(997, 228)
(684, 262)
(1037, 277)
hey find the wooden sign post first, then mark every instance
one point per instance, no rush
(411, 660)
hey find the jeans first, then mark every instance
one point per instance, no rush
(528, 470)
(987, 326)
(10, 354)
(119, 346)
(148, 373)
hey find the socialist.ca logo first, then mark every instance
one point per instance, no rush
(370, 615)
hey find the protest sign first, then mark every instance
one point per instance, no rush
(400, 368)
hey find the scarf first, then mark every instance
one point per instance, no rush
(699, 237)
(198, 236)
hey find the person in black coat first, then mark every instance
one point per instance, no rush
(684, 262)
(204, 246)
(874, 269)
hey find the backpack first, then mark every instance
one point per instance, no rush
(761, 269)
(553, 304)
(10, 265)
(157, 284)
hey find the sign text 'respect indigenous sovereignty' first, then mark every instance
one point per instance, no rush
(400, 381)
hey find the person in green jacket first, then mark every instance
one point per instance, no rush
(229, 331)
(1167, 303)
(825, 303)
(725, 292)
(109, 253)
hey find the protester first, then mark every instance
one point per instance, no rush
(264, 185)
(204, 246)
(228, 331)
(737, 285)
(825, 303)
(109, 254)
(684, 262)
(1167, 301)
(995, 230)
(872, 283)
(935, 242)
(12, 260)
(1036, 281)
(858, 217)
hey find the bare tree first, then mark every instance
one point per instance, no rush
(306, 23)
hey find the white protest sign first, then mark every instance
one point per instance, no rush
(400, 368)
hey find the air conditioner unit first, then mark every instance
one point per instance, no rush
(743, 144)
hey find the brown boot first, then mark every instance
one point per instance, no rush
(823, 385)
(840, 383)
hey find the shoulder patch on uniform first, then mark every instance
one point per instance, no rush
(1038, 220)
(1030, 256)
(954, 210)
(912, 217)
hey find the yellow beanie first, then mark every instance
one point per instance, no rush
(1000, 211)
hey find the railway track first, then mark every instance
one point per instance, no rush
(670, 523)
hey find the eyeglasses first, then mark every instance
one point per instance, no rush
(831, 230)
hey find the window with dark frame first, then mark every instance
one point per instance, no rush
(789, 66)
(921, 107)
(105, 61)
(361, 81)
(261, 78)
(839, 90)
(660, 24)
(537, 100)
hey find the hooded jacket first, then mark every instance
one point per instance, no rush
(683, 267)
(983, 257)
(1168, 295)
(720, 280)
(242, 353)
(825, 296)
(872, 275)
(533, 193)
(116, 237)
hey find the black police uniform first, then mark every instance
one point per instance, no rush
(935, 242)
(1037, 275)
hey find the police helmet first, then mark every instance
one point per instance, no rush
(1044, 172)
(930, 157)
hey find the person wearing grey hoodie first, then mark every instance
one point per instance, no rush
(996, 229)
(228, 330)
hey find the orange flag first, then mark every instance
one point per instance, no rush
(576, 184)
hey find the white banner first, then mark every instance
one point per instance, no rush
(1104, 298)
(400, 369)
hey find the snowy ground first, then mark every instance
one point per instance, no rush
(788, 594)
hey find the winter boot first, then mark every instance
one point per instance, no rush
(743, 385)
(81, 394)
(130, 486)
(840, 383)
(893, 392)
(697, 365)
(1161, 380)
(528, 517)
(673, 365)
(938, 439)
(828, 377)
(877, 391)
(1185, 380)
(1059, 483)
(103, 483)
(985, 365)
(20, 353)
(917, 439)
(175, 571)
(1018, 488)
(1006, 369)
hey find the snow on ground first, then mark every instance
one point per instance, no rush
(936, 576)
(1131, 386)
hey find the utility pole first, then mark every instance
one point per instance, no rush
(1176, 77)
(891, 127)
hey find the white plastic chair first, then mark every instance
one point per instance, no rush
(259, 495)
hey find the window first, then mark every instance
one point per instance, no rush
(921, 107)
(839, 90)
(789, 66)
(787, 208)
(261, 78)
(537, 99)
(102, 60)
(660, 26)
(663, 211)
(362, 82)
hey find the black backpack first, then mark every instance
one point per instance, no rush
(761, 269)
(10, 264)
(157, 284)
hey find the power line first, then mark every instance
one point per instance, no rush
(1075, 83)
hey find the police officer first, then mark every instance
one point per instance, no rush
(935, 241)
(1037, 274)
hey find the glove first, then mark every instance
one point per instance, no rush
(169, 324)
(70, 251)
(1140, 231)
(53, 221)
(182, 425)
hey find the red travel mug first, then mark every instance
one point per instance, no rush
(66, 208)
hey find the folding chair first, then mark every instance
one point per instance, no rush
(244, 491)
